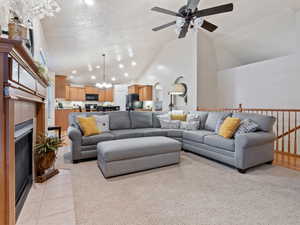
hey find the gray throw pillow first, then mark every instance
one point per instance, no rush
(191, 125)
(169, 124)
(219, 124)
(247, 126)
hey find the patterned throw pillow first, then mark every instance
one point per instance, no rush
(191, 125)
(169, 124)
(102, 122)
(246, 126)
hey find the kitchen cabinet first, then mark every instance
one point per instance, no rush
(81, 94)
(101, 93)
(62, 117)
(133, 89)
(60, 86)
(145, 93)
(76, 94)
(73, 93)
(67, 92)
(91, 90)
(109, 95)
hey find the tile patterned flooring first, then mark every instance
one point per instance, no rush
(50, 203)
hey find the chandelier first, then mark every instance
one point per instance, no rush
(104, 84)
(27, 10)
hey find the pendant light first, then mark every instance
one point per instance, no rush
(104, 84)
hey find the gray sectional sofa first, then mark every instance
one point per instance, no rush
(242, 152)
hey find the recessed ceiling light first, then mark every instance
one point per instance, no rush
(90, 67)
(74, 71)
(98, 67)
(71, 77)
(93, 77)
(133, 63)
(113, 79)
(89, 2)
(121, 66)
(119, 58)
(126, 74)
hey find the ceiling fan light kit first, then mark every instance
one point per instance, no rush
(189, 16)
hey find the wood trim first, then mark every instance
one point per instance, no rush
(40, 118)
(10, 160)
(3, 188)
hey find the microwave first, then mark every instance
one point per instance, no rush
(91, 97)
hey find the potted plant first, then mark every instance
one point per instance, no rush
(45, 153)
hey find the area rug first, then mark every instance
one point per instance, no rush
(198, 191)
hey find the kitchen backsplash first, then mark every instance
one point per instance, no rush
(72, 104)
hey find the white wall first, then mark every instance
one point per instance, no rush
(269, 84)
(177, 58)
(207, 67)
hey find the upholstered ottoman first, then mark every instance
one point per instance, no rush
(125, 156)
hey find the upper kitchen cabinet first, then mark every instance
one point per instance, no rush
(101, 93)
(145, 93)
(109, 95)
(91, 90)
(60, 86)
(133, 89)
(76, 94)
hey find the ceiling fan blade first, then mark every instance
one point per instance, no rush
(215, 10)
(184, 29)
(209, 26)
(193, 4)
(164, 26)
(166, 11)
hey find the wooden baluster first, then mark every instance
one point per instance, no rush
(295, 141)
(282, 142)
(289, 136)
(277, 130)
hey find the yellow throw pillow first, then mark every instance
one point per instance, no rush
(88, 125)
(229, 127)
(181, 117)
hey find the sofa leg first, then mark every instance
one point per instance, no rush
(242, 170)
(270, 163)
(76, 161)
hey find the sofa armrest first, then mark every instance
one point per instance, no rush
(253, 139)
(253, 149)
(74, 134)
(76, 137)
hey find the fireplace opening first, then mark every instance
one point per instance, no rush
(23, 160)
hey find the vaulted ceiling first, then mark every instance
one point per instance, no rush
(80, 33)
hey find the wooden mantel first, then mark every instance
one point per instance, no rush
(20, 84)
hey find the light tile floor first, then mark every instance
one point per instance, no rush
(50, 203)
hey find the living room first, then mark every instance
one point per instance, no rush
(149, 112)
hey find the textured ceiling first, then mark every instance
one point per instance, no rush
(79, 34)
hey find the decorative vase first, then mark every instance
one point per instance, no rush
(44, 162)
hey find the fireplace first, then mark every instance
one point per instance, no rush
(23, 162)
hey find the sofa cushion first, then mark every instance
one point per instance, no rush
(174, 133)
(197, 136)
(95, 139)
(219, 142)
(149, 132)
(265, 123)
(119, 120)
(141, 119)
(155, 119)
(213, 118)
(128, 133)
(203, 117)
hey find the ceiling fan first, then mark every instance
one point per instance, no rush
(189, 16)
